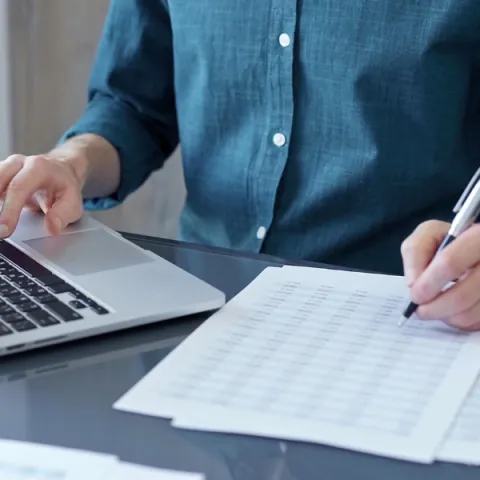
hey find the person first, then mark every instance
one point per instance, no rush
(335, 133)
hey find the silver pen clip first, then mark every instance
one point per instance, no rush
(467, 191)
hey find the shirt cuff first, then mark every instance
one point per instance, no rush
(120, 125)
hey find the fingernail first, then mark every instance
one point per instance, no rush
(3, 231)
(40, 199)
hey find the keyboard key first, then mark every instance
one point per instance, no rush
(16, 275)
(91, 303)
(4, 309)
(23, 325)
(62, 288)
(79, 295)
(24, 283)
(16, 299)
(4, 330)
(49, 279)
(77, 304)
(28, 306)
(34, 291)
(99, 309)
(47, 321)
(63, 311)
(46, 298)
(12, 317)
(43, 318)
(8, 290)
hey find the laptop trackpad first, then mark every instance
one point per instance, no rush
(88, 251)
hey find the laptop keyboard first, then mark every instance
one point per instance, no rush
(29, 295)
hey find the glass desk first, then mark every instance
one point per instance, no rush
(63, 395)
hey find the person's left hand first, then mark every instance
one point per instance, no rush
(459, 305)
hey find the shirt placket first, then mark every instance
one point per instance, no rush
(269, 167)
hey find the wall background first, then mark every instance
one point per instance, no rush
(51, 46)
(5, 111)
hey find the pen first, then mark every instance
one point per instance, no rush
(467, 210)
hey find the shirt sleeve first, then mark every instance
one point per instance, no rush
(131, 93)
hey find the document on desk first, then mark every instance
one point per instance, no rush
(29, 461)
(462, 444)
(317, 355)
(129, 471)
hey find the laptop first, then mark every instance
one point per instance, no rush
(87, 281)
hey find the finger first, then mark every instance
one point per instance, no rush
(37, 202)
(39, 199)
(451, 263)
(21, 188)
(458, 299)
(33, 206)
(420, 247)
(66, 209)
(468, 321)
(8, 169)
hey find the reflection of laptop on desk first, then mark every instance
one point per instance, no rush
(110, 349)
(87, 281)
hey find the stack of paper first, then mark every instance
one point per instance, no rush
(317, 355)
(29, 461)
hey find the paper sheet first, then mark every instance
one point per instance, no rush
(31, 461)
(28, 461)
(129, 471)
(317, 355)
(462, 444)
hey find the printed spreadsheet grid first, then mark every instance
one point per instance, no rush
(463, 441)
(323, 350)
(351, 389)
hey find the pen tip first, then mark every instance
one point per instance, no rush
(402, 321)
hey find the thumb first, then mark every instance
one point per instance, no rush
(54, 223)
(65, 209)
(420, 247)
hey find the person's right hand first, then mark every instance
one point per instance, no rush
(22, 178)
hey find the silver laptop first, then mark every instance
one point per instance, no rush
(87, 281)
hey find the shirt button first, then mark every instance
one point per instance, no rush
(261, 232)
(279, 139)
(284, 40)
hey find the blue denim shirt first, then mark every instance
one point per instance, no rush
(311, 130)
